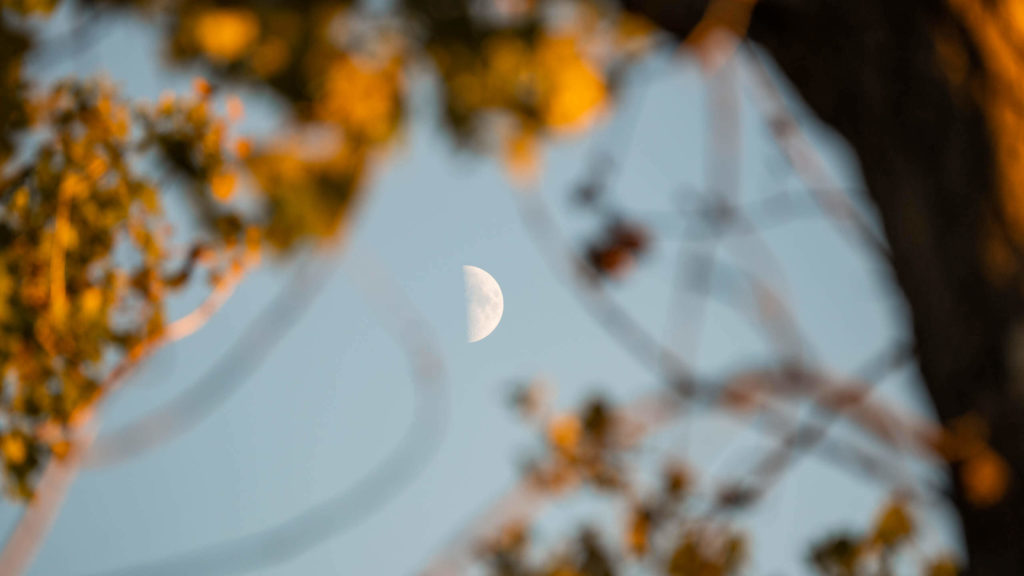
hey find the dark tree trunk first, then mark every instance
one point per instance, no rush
(870, 70)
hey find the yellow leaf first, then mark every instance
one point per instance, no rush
(362, 97)
(985, 477)
(893, 525)
(60, 449)
(572, 88)
(638, 535)
(97, 168)
(243, 148)
(14, 448)
(224, 34)
(222, 185)
(942, 567)
(521, 156)
(91, 302)
(270, 57)
(74, 185)
(564, 432)
(202, 86)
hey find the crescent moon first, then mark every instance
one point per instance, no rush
(484, 303)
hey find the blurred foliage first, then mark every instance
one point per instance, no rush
(86, 261)
(89, 255)
(875, 551)
(679, 524)
(665, 528)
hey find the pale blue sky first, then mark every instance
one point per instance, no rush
(336, 396)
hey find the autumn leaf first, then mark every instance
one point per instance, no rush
(985, 477)
(224, 34)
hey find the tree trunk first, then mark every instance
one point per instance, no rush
(918, 119)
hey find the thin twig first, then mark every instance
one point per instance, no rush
(804, 158)
(344, 510)
(527, 498)
(644, 416)
(767, 470)
(222, 380)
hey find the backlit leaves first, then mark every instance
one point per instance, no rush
(68, 216)
(986, 478)
(707, 552)
(893, 525)
(873, 552)
(225, 34)
(309, 182)
(661, 530)
(89, 258)
(984, 474)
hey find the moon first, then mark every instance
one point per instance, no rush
(484, 303)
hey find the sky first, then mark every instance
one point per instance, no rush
(335, 397)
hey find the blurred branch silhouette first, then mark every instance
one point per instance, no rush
(231, 371)
(349, 506)
(924, 94)
(28, 534)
